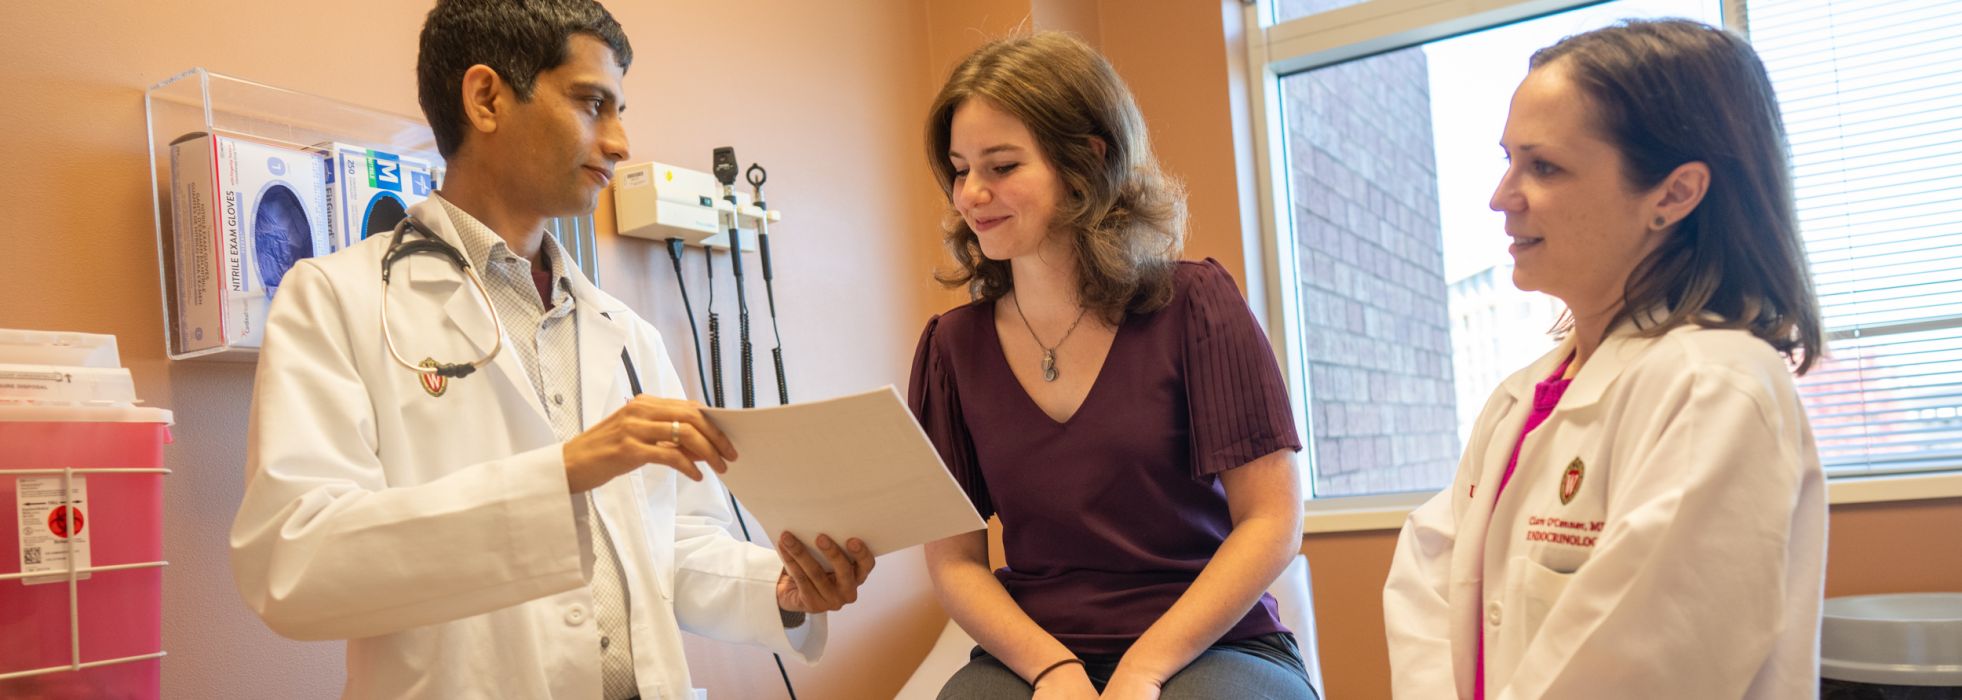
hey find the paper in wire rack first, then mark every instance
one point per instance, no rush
(855, 466)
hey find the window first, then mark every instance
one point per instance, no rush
(1873, 110)
(1394, 299)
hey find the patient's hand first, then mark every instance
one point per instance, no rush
(1130, 686)
(1066, 683)
(805, 587)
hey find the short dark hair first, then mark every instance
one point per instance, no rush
(1125, 216)
(1670, 92)
(517, 38)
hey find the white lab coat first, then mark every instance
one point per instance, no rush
(1686, 562)
(436, 533)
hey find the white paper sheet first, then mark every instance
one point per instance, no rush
(856, 466)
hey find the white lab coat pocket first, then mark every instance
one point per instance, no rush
(660, 525)
(1530, 591)
(1537, 588)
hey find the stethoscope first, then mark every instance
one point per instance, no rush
(402, 247)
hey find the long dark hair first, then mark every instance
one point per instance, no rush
(1125, 216)
(1670, 92)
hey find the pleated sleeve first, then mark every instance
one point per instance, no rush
(934, 396)
(1238, 403)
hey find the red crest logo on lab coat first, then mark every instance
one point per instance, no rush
(432, 382)
(1570, 483)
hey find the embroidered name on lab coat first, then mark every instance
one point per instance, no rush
(1573, 533)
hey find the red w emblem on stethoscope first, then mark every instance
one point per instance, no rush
(432, 382)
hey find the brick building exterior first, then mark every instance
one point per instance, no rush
(1376, 329)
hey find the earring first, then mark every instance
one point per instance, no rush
(1661, 221)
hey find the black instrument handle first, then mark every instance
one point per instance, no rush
(783, 385)
(715, 356)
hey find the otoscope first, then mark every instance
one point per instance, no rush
(756, 176)
(725, 173)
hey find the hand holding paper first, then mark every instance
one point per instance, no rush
(821, 581)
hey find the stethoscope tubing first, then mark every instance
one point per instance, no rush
(443, 248)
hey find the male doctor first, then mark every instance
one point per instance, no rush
(495, 534)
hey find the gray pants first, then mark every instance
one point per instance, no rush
(1262, 668)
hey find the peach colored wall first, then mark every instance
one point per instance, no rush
(827, 95)
(1871, 548)
(1346, 572)
(956, 27)
(830, 102)
(1894, 548)
(1175, 56)
(1080, 17)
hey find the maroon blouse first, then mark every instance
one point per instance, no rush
(1107, 518)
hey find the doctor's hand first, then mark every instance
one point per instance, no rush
(647, 430)
(805, 587)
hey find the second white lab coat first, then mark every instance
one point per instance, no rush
(1663, 535)
(434, 530)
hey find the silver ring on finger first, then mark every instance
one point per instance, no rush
(674, 431)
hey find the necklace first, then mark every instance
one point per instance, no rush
(1048, 351)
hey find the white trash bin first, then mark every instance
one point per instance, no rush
(1903, 646)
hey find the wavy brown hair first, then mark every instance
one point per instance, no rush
(1669, 92)
(1124, 216)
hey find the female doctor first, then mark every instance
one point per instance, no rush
(1640, 513)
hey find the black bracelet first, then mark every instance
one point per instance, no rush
(1052, 667)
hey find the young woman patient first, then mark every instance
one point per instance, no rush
(1118, 409)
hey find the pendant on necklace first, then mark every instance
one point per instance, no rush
(1049, 365)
